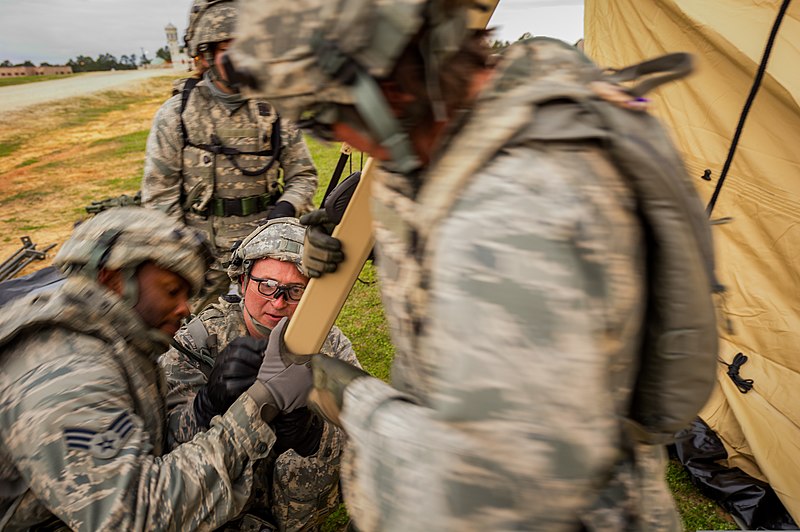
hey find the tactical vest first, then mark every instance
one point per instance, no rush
(82, 306)
(552, 102)
(289, 487)
(231, 172)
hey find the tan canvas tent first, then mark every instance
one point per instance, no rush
(758, 251)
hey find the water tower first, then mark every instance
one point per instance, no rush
(172, 42)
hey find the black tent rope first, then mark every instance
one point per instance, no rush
(744, 385)
(762, 68)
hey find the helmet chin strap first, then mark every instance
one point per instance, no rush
(260, 327)
(214, 74)
(378, 117)
(130, 286)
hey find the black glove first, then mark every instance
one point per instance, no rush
(300, 430)
(281, 209)
(234, 370)
(321, 252)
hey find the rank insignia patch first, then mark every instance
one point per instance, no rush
(104, 444)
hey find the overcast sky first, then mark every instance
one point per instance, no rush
(58, 30)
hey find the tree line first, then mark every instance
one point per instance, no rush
(85, 63)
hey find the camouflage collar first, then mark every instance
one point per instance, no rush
(84, 306)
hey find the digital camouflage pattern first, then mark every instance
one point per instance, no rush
(182, 179)
(83, 424)
(515, 277)
(210, 21)
(517, 331)
(302, 491)
(279, 239)
(174, 172)
(263, 43)
(127, 236)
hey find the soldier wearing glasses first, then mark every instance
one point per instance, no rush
(296, 486)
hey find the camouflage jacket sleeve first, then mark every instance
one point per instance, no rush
(61, 406)
(524, 366)
(339, 346)
(184, 379)
(161, 183)
(299, 173)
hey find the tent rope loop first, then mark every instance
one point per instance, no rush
(744, 385)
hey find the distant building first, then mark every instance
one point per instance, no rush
(180, 60)
(34, 71)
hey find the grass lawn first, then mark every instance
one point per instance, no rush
(57, 158)
(22, 80)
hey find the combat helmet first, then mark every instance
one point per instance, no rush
(318, 61)
(122, 238)
(279, 238)
(210, 21)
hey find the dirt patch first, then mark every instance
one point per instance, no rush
(60, 157)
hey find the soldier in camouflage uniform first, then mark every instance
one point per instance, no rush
(218, 161)
(83, 420)
(512, 256)
(297, 485)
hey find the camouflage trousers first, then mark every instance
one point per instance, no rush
(637, 497)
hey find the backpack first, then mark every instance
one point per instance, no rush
(678, 356)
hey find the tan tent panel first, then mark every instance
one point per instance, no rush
(758, 252)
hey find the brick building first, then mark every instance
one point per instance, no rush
(34, 71)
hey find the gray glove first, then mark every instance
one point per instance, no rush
(322, 253)
(287, 381)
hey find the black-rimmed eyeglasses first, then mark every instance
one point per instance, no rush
(273, 289)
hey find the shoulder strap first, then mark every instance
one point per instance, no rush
(201, 353)
(197, 330)
(190, 84)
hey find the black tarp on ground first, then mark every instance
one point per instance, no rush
(750, 501)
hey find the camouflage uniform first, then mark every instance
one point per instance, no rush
(185, 180)
(303, 491)
(517, 300)
(83, 417)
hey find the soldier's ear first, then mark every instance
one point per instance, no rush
(111, 279)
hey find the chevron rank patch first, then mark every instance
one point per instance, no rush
(105, 444)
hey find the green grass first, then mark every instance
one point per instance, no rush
(125, 144)
(325, 156)
(10, 146)
(88, 112)
(124, 185)
(32, 227)
(697, 511)
(90, 108)
(27, 162)
(22, 80)
(362, 320)
(26, 195)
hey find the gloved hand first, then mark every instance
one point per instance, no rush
(331, 377)
(300, 430)
(234, 371)
(321, 252)
(281, 209)
(287, 383)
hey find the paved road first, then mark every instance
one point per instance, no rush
(18, 96)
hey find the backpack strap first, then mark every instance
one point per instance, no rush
(190, 84)
(199, 334)
(664, 69)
